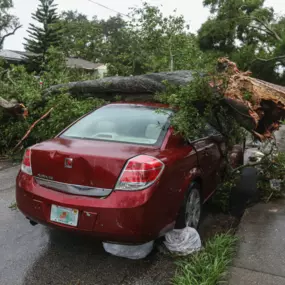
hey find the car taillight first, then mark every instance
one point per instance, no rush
(26, 166)
(139, 173)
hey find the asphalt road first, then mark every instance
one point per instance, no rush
(37, 255)
(41, 256)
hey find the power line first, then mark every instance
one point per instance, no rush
(101, 5)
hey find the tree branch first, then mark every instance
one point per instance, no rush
(268, 28)
(277, 58)
(260, 162)
(32, 127)
(9, 34)
(259, 28)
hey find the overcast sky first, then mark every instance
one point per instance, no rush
(193, 11)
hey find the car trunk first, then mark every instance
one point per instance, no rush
(94, 163)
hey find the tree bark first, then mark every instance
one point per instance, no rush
(13, 108)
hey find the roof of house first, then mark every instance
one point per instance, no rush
(73, 62)
(11, 55)
(21, 56)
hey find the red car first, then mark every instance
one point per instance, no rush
(120, 173)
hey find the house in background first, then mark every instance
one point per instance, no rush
(21, 57)
(99, 69)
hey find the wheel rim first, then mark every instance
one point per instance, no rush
(193, 209)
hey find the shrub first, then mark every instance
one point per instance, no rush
(17, 83)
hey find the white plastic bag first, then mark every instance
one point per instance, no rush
(183, 242)
(129, 251)
(276, 184)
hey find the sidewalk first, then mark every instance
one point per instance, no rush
(260, 258)
(280, 138)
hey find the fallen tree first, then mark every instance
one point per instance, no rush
(14, 108)
(137, 87)
(257, 105)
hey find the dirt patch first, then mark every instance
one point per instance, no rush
(217, 223)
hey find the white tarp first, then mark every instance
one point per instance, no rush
(183, 242)
(129, 251)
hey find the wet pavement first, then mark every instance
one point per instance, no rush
(260, 258)
(41, 256)
(280, 138)
(37, 255)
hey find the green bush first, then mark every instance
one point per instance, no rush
(273, 168)
(17, 83)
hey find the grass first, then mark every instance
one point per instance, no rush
(209, 266)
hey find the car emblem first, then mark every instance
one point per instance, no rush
(68, 163)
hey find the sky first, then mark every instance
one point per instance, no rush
(193, 11)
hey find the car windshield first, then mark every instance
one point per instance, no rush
(123, 123)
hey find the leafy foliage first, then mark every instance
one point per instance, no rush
(250, 33)
(197, 104)
(43, 37)
(147, 42)
(82, 37)
(25, 87)
(272, 170)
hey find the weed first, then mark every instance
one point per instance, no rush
(13, 206)
(208, 266)
(247, 96)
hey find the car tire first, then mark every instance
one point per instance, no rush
(191, 210)
(245, 192)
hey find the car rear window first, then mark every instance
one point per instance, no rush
(135, 124)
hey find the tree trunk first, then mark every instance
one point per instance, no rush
(13, 108)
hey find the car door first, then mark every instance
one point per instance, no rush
(209, 151)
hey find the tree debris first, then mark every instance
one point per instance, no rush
(259, 106)
(14, 108)
(31, 128)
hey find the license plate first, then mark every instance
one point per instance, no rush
(64, 215)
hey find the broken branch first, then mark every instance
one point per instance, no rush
(14, 108)
(32, 127)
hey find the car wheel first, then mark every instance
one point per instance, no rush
(245, 192)
(191, 211)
